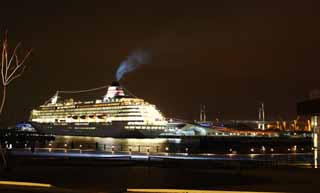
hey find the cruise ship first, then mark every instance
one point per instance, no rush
(117, 114)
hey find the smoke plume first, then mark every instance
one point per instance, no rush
(134, 60)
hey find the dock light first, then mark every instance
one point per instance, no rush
(130, 149)
(112, 149)
(315, 130)
(230, 150)
(272, 150)
(80, 145)
(65, 145)
(288, 149)
(167, 148)
(263, 149)
(30, 184)
(252, 150)
(25, 145)
(294, 148)
(187, 149)
(50, 144)
(302, 149)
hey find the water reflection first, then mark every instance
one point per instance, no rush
(315, 158)
(113, 144)
(173, 145)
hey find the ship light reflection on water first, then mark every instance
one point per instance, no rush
(113, 144)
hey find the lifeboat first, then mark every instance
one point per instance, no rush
(101, 116)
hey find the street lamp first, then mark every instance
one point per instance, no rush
(314, 125)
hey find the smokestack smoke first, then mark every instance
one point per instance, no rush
(134, 60)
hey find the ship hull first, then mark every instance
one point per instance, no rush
(115, 130)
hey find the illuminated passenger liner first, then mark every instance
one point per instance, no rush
(118, 114)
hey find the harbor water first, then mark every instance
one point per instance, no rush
(220, 145)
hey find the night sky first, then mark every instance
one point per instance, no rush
(229, 55)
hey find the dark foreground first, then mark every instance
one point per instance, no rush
(100, 175)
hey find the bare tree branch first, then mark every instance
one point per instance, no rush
(14, 54)
(2, 62)
(18, 66)
(16, 76)
(12, 67)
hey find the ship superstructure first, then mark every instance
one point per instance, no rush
(117, 114)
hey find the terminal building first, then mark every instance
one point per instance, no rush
(310, 109)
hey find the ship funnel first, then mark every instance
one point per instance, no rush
(115, 83)
(114, 91)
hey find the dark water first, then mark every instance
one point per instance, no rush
(215, 151)
(265, 149)
(184, 145)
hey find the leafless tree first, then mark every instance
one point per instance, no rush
(12, 67)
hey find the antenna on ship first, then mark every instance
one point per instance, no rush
(53, 99)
